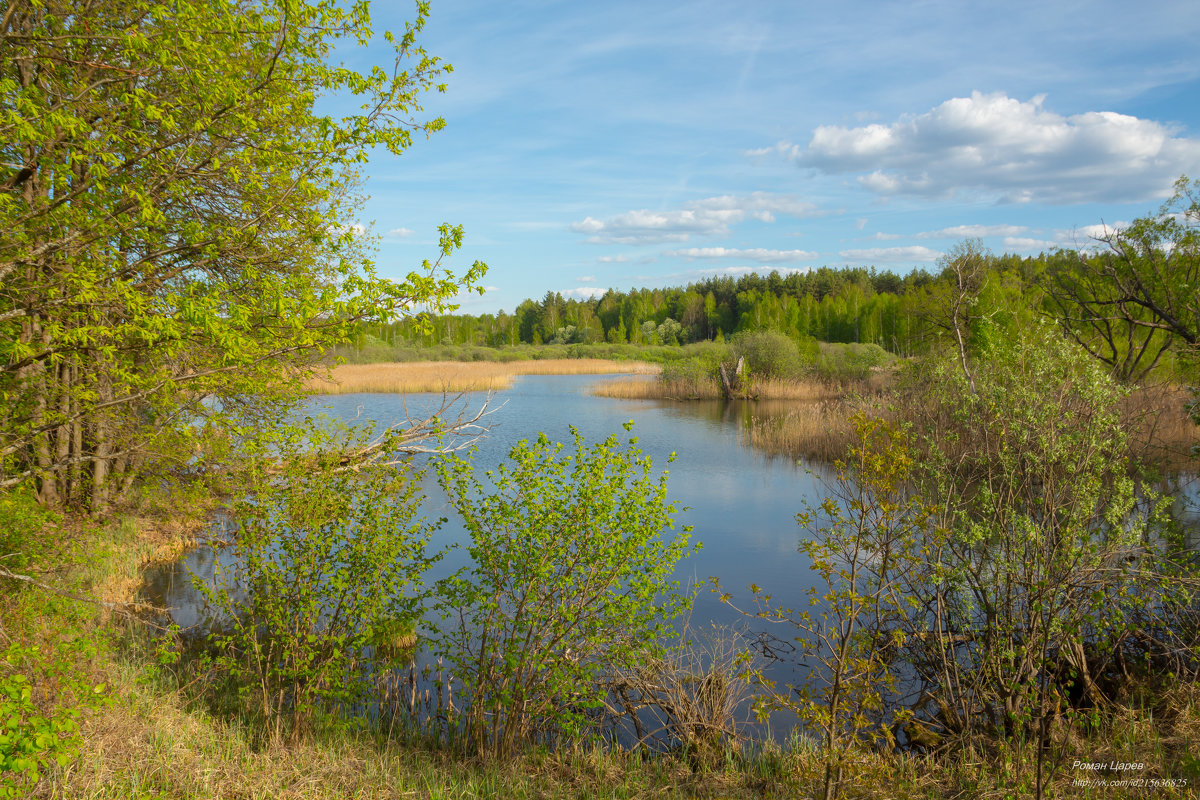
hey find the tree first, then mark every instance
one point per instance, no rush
(177, 220)
(572, 555)
(1140, 295)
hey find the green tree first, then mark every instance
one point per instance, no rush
(177, 218)
(570, 581)
(1139, 296)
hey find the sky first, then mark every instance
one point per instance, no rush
(599, 144)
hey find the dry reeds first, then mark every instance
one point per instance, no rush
(458, 376)
(817, 431)
(1160, 431)
(802, 389)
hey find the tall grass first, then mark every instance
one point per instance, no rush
(687, 388)
(458, 376)
(1160, 431)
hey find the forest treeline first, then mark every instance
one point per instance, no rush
(906, 315)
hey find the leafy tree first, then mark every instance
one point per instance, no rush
(1140, 295)
(177, 220)
(570, 580)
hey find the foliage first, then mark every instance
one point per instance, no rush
(865, 544)
(178, 220)
(768, 354)
(1048, 549)
(21, 519)
(326, 572)
(570, 580)
(1130, 301)
(34, 738)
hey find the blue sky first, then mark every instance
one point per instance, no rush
(607, 144)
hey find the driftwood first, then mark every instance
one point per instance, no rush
(733, 388)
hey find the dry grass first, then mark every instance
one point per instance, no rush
(459, 376)
(1160, 431)
(818, 430)
(802, 390)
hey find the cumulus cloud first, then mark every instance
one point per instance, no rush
(399, 233)
(972, 231)
(753, 254)
(1026, 244)
(890, 254)
(583, 292)
(1000, 147)
(712, 216)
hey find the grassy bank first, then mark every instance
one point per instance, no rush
(459, 376)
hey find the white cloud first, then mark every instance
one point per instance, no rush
(884, 237)
(753, 254)
(972, 231)
(712, 216)
(1000, 147)
(586, 279)
(584, 292)
(890, 254)
(399, 233)
(1021, 243)
(860, 223)
(613, 259)
(696, 274)
(1087, 236)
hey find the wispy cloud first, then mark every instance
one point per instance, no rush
(972, 231)
(753, 254)
(1007, 149)
(621, 259)
(1022, 244)
(890, 255)
(712, 216)
(586, 279)
(400, 233)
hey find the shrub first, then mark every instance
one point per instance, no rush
(768, 354)
(328, 562)
(572, 556)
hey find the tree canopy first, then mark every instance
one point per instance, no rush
(177, 212)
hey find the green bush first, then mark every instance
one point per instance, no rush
(328, 563)
(570, 580)
(21, 520)
(33, 738)
(768, 354)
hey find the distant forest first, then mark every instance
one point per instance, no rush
(902, 314)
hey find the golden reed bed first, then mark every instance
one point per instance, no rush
(803, 389)
(459, 376)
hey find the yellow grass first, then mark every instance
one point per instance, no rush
(459, 376)
(1160, 430)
